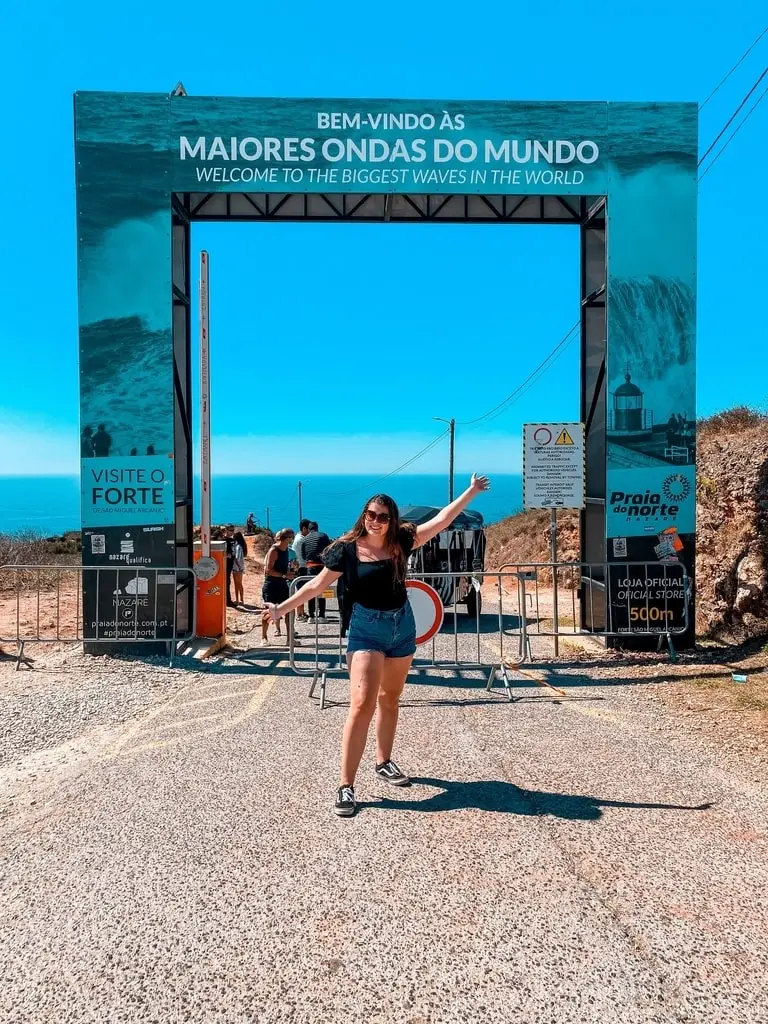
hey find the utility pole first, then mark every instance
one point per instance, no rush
(452, 429)
(300, 514)
(450, 460)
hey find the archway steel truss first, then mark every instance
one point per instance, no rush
(487, 209)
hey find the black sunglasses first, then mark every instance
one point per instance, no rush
(377, 517)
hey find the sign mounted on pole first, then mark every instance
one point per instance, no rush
(553, 465)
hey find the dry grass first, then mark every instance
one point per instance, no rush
(732, 421)
(30, 548)
(749, 696)
(704, 691)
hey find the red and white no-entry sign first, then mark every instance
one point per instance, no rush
(427, 609)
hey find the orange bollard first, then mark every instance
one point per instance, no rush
(211, 594)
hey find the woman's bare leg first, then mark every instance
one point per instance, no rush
(393, 677)
(365, 670)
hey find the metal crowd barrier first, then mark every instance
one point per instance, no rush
(617, 600)
(123, 604)
(602, 594)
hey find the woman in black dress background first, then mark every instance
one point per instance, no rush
(276, 575)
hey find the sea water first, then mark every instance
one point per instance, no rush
(51, 505)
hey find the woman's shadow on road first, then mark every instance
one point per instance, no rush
(505, 798)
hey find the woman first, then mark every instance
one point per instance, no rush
(372, 557)
(276, 576)
(238, 565)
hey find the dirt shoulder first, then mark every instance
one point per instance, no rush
(719, 692)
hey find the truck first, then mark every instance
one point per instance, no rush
(460, 549)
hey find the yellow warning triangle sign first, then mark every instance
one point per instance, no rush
(564, 437)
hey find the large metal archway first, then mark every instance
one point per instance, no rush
(139, 157)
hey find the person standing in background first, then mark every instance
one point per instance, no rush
(229, 539)
(102, 442)
(298, 547)
(276, 587)
(86, 444)
(238, 566)
(314, 545)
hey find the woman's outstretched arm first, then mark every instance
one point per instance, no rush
(445, 516)
(305, 593)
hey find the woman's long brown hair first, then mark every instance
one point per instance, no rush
(394, 547)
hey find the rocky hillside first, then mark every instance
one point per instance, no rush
(732, 557)
(527, 537)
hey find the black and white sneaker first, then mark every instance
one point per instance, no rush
(345, 805)
(389, 772)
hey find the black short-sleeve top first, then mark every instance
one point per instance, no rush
(371, 584)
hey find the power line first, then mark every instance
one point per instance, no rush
(405, 465)
(735, 132)
(731, 118)
(564, 341)
(284, 506)
(738, 62)
(534, 379)
(543, 366)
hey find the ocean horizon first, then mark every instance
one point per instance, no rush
(50, 505)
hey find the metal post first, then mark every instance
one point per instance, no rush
(452, 435)
(300, 512)
(267, 518)
(205, 413)
(450, 459)
(556, 618)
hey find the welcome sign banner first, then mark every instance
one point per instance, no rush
(389, 146)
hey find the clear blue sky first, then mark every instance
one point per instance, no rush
(427, 299)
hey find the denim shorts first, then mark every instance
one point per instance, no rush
(392, 633)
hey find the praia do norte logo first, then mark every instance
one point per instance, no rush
(676, 487)
(650, 504)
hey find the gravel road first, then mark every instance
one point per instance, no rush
(171, 855)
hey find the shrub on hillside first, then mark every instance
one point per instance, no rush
(260, 542)
(67, 544)
(732, 421)
(23, 548)
(30, 548)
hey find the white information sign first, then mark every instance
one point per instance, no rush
(553, 465)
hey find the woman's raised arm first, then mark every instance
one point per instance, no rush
(446, 515)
